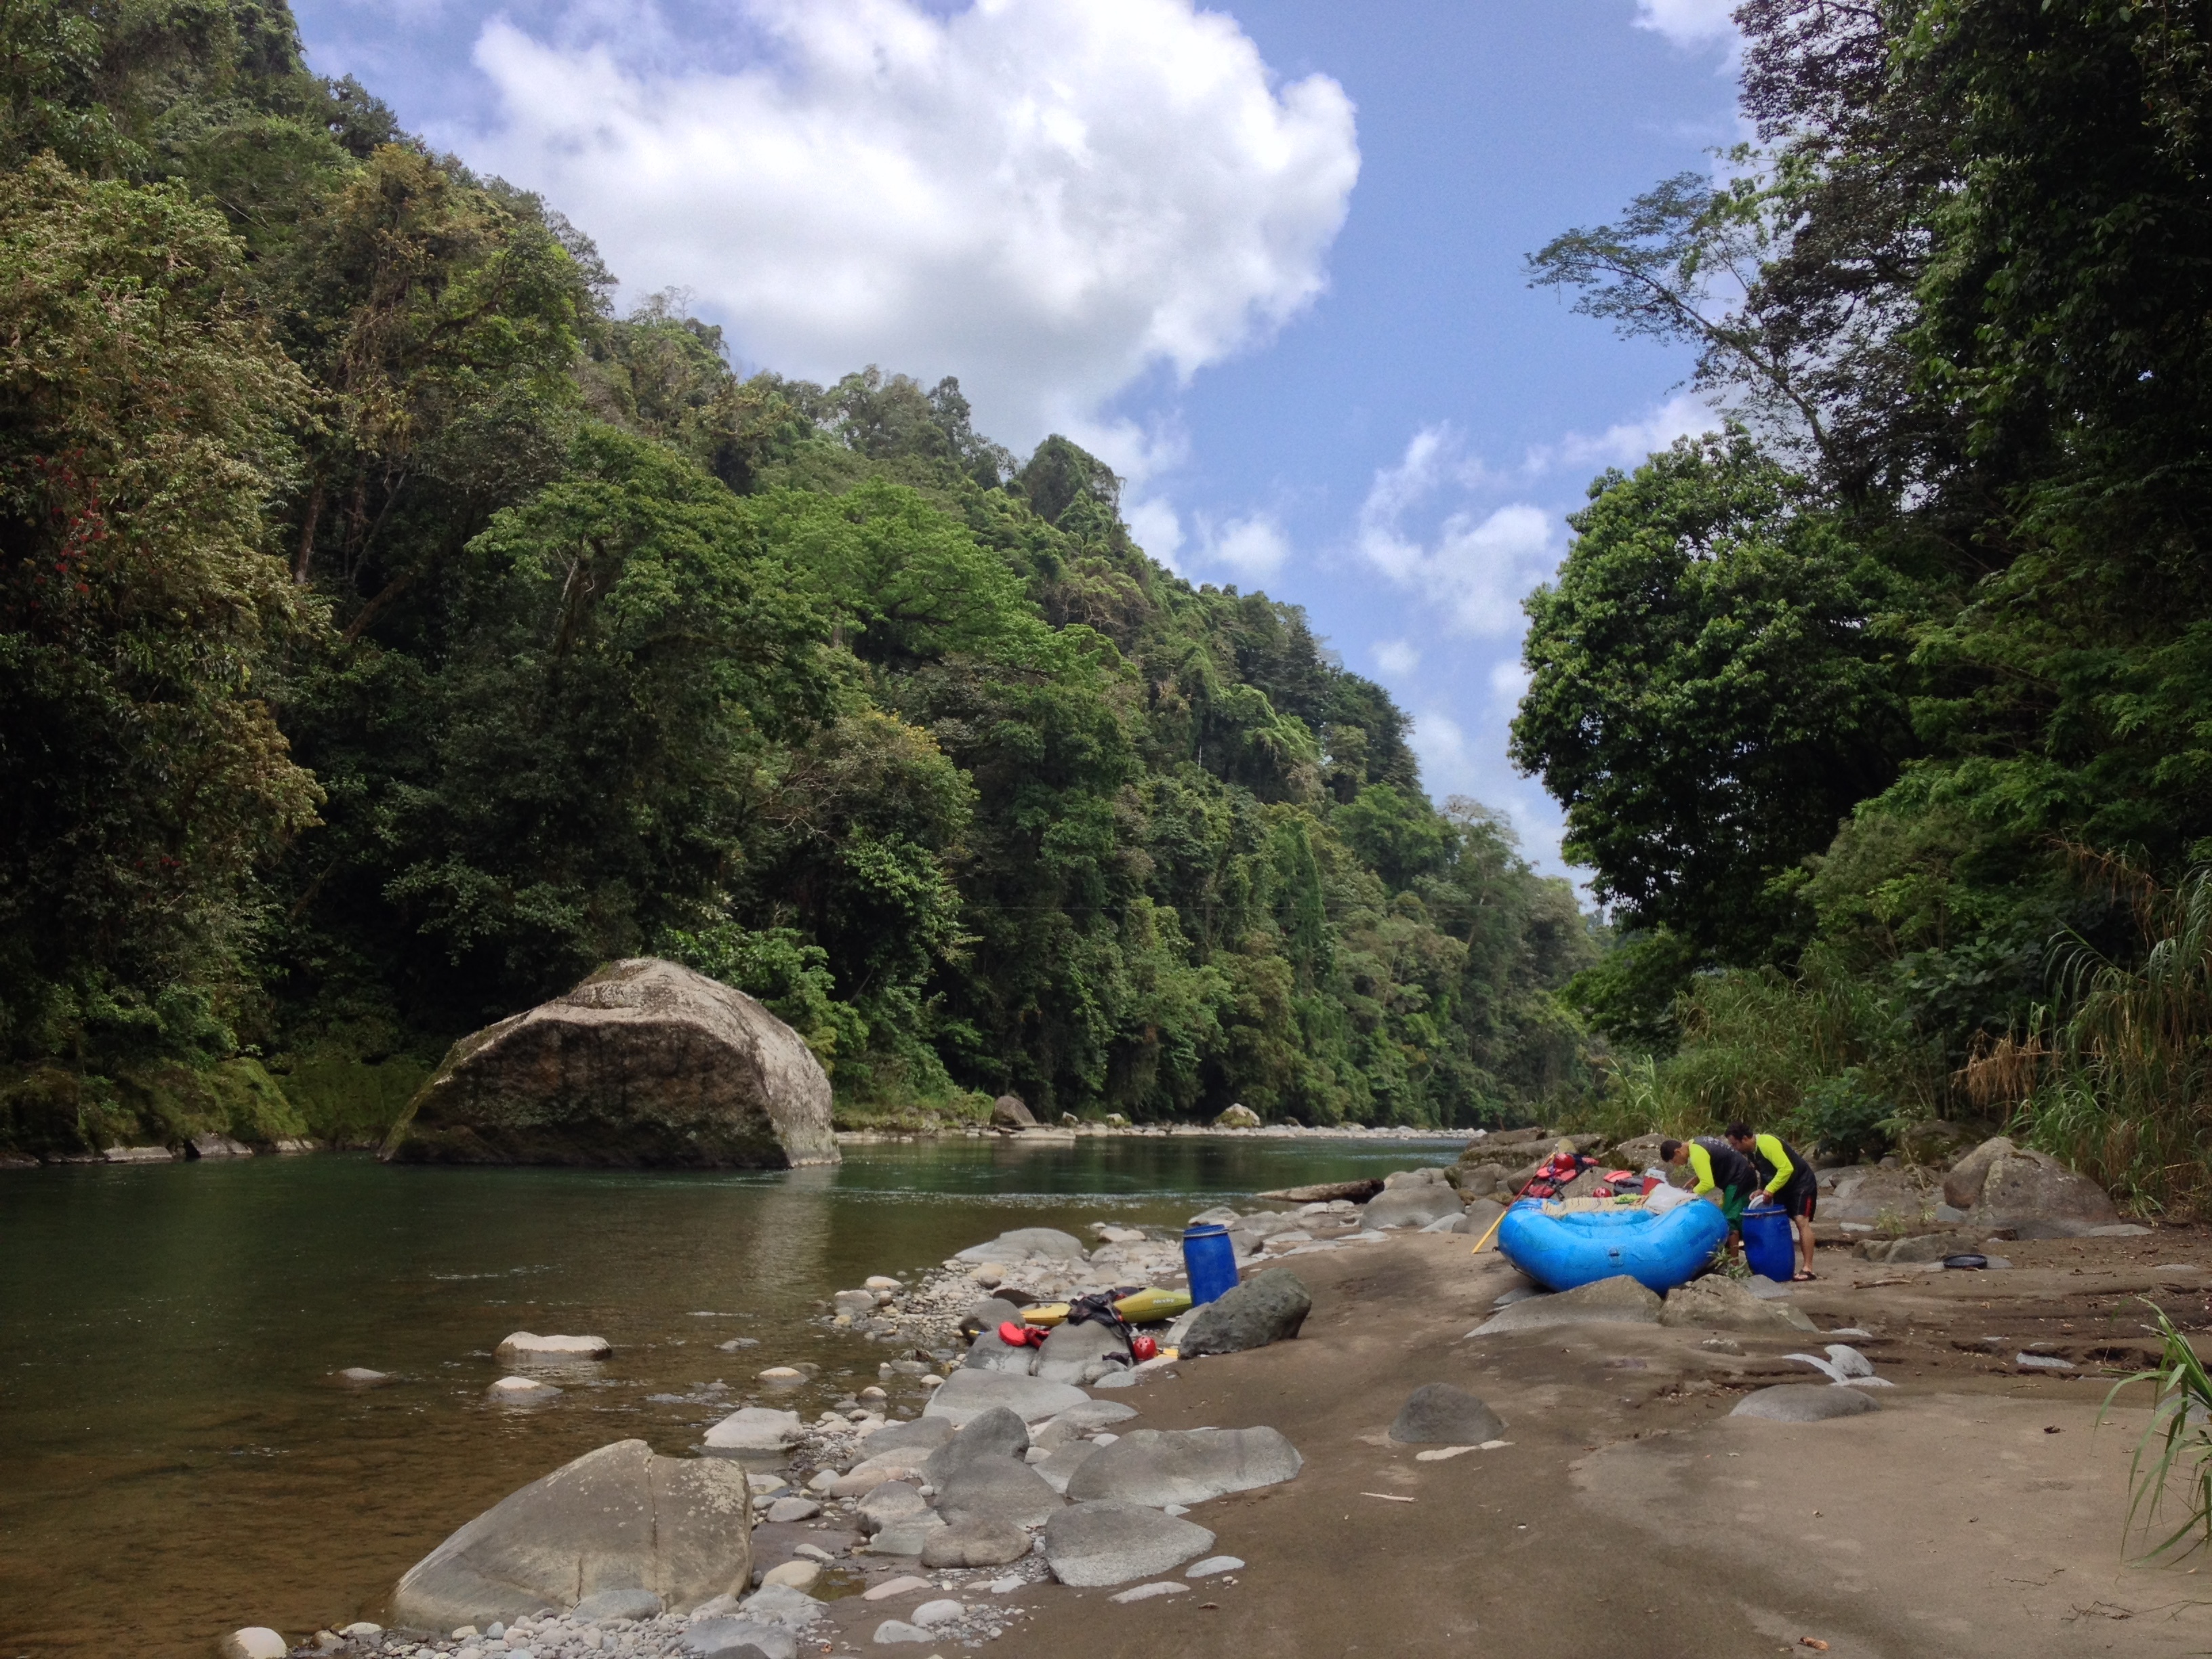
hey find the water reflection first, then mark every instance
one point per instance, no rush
(174, 1460)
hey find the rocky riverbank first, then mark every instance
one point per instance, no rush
(1898, 1459)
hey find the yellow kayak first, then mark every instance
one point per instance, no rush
(1144, 1307)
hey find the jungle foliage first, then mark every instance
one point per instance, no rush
(390, 632)
(1881, 712)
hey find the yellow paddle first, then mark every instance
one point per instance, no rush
(1486, 1238)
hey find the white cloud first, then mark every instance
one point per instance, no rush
(1156, 526)
(1688, 22)
(1474, 570)
(1397, 657)
(1509, 682)
(1253, 546)
(1050, 199)
(1626, 444)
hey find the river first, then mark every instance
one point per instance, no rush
(175, 1461)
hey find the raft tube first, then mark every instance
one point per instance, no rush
(1658, 1251)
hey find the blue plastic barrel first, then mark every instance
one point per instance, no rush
(1210, 1258)
(1769, 1243)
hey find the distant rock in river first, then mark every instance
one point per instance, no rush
(645, 1063)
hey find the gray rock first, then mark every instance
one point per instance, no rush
(1112, 1543)
(967, 1393)
(897, 1630)
(360, 1377)
(1927, 1246)
(976, 1540)
(1026, 1244)
(1717, 1302)
(2118, 1229)
(1184, 1466)
(739, 1638)
(617, 1604)
(998, 1489)
(782, 1604)
(996, 1436)
(907, 1536)
(1962, 1186)
(616, 1518)
(1212, 1565)
(254, 1642)
(1012, 1112)
(894, 1500)
(987, 1352)
(1609, 1301)
(787, 1510)
(1086, 1418)
(212, 1145)
(1438, 1414)
(1414, 1205)
(1804, 1402)
(922, 1436)
(1269, 1308)
(1478, 1217)
(1059, 1465)
(1070, 1350)
(644, 1063)
(755, 1429)
(2023, 1186)
(1238, 1117)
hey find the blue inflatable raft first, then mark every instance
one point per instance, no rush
(1657, 1251)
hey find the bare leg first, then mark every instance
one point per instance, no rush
(1805, 1243)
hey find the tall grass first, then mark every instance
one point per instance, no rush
(2177, 1439)
(2125, 1092)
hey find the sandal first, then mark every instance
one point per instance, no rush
(1806, 1278)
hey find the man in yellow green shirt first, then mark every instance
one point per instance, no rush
(1786, 1176)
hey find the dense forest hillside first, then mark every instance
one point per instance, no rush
(1882, 717)
(390, 633)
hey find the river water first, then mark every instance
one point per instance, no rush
(175, 1462)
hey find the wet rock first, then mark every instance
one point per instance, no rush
(528, 1344)
(617, 1604)
(1002, 1489)
(1804, 1402)
(254, 1642)
(1619, 1300)
(967, 1393)
(1026, 1244)
(138, 1155)
(995, 1436)
(360, 1377)
(616, 1518)
(217, 1146)
(1115, 1543)
(1438, 1414)
(644, 1063)
(1328, 1192)
(1187, 1466)
(1411, 1206)
(976, 1540)
(1717, 1302)
(755, 1429)
(1012, 1112)
(1269, 1308)
(521, 1391)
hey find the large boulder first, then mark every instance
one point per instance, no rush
(1159, 1467)
(1269, 1308)
(616, 1518)
(645, 1063)
(1717, 1302)
(1619, 1300)
(996, 1435)
(967, 1394)
(1026, 1244)
(1110, 1543)
(1238, 1117)
(2022, 1187)
(1414, 1205)
(1804, 1402)
(1012, 1112)
(1962, 1186)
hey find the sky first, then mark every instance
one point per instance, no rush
(1265, 259)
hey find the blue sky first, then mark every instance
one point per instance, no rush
(1267, 259)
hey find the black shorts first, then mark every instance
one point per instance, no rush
(1800, 1196)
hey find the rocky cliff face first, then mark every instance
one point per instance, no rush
(645, 1063)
